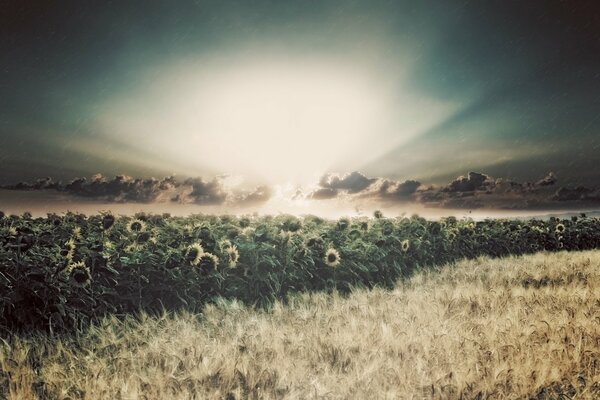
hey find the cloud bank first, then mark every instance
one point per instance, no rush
(474, 190)
(125, 189)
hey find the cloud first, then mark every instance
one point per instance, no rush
(125, 189)
(43, 183)
(479, 190)
(357, 185)
(260, 194)
(579, 193)
(472, 191)
(353, 182)
(473, 181)
(548, 180)
(324, 193)
(198, 191)
(399, 191)
(121, 189)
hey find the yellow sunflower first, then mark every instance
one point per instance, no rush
(79, 274)
(332, 257)
(234, 256)
(136, 225)
(194, 253)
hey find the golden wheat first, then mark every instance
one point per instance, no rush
(488, 328)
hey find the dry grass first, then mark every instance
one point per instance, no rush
(509, 328)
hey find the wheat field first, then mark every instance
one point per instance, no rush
(519, 327)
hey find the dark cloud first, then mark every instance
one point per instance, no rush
(120, 189)
(125, 189)
(579, 193)
(390, 189)
(357, 184)
(43, 183)
(478, 190)
(548, 180)
(473, 181)
(353, 182)
(204, 192)
(473, 191)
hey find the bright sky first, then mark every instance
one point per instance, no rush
(273, 119)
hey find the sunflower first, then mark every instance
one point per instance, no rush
(70, 249)
(332, 257)
(342, 224)
(108, 221)
(208, 262)
(225, 244)
(234, 256)
(560, 228)
(405, 245)
(79, 274)
(194, 253)
(136, 225)
(77, 232)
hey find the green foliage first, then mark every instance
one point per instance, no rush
(65, 271)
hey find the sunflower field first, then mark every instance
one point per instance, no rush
(62, 272)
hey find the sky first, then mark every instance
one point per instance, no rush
(297, 106)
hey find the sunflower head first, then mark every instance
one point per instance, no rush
(194, 254)
(136, 225)
(332, 257)
(54, 219)
(560, 228)
(405, 245)
(208, 262)
(314, 243)
(225, 244)
(79, 274)
(108, 221)
(233, 255)
(343, 223)
(69, 250)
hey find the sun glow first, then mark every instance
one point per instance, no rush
(273, 120)
(281, 124)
